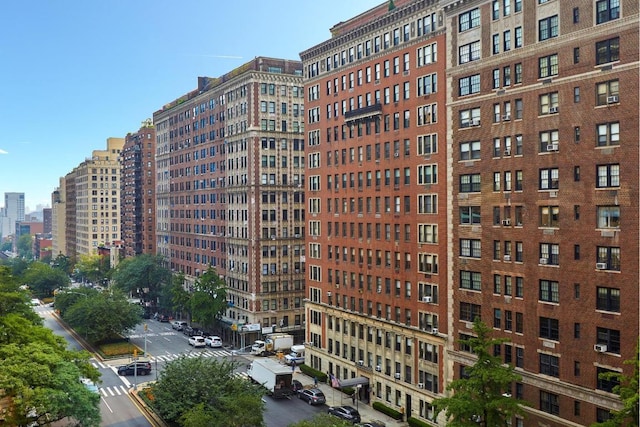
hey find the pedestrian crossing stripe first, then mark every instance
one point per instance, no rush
(192, 354)
(113, 391)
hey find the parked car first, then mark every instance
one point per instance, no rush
(372, 424)
(296, 386)
(90, 385)
(191, 331)
(213, 341)
(178, 325)
(143, 368)
(348, 413)
(313, 396)
(196, 341)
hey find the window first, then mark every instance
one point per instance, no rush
(551, 253)
(608, 51)
(427, 263)
(608, 134)
(470, 150)
(470, 248)
(607, 379)
(610, 338)
(549, 365)
(549, 291)
(469, 312)
(608, 176)
(607, 92)
(469, 117)
(607, 10)
(547, 66)
(428, 174)
(495, 45)
(548, 28)
(549, 403)
(427, 84)
(427, 54)
(427, 114)
(468, 20)
(427, 233)
(518, 37)
(470, 215)
(427, 203)
(549, 216)
(549, 328)
(469, 52)
(427, 144)
(470, 280)
(549, 141)
(608, 217)
(608, 299)
(548, 179)
(470, 183)
(609, 256)
(548, 102)
(469, 85)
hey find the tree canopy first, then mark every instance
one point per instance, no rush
(39, 377)
(209, 299)
(24, 246)
(483, 397)
(43, 279)
(143, 275)
(200, 391)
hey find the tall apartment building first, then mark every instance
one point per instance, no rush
(137, 191)
(93, 204)
(13, 213)
(229, 179)
(58, 220)
(544, 182)
(377, 205)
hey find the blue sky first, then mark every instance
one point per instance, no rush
(75, 72)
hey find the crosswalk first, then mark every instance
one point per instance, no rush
(112, 391)
(191, 354)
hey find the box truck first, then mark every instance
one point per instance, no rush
(273, 376)
(296, 355)
(272, 344)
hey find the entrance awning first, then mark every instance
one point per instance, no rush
(350, 382)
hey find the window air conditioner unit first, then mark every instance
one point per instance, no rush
(543, 261)
(601, 266)
(475, 122)
(426, 299)
(506, 222)
(397, 375)
(552, 147)
(273, 237)
(613, 99)
(506, 117)
(420, 385)
(434, 331)
(507, 258)
(600, 348)
(297, 236)
(396, 154)
(507, 152)
(360, 362)
(405, 73)
(378, 368)
(553, 110)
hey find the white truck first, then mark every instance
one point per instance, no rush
(272, 344)
(273, 376)
(296, 356)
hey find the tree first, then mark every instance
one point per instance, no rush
(39, 377)
(103, 316)
(143, 276)
(322, 420)
(43, 279)
(627, 388)
(63, 263)
(93, 267)
(209, 299)
(179, 298)
(483, 396)
(24, 246)
(209, 392)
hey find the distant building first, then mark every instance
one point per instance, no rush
(137, 193)
(58, 220)
(12, 212)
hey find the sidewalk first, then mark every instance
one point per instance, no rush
(335, 397)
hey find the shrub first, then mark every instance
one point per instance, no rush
(308, 370)
(414, 422)
(379, 406)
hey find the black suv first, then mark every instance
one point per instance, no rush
(348, 413)
(143, 368)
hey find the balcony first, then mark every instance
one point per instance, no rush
(363, 113)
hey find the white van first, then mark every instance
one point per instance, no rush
(296, 355)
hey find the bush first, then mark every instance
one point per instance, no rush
(379, 406)
(414, 422)
(308, 370)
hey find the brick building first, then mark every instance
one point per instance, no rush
(230, 175)
(377, 200)
(543, 116)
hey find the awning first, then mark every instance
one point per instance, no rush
(353, 381)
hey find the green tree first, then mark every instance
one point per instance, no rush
(93, 267)
(103, 316)
(209, 391)
(24, 246)
(322, 420)
(482, 397)
(39, 377)
(6, 246)
(209, 299)
(627, 388)
(178, 296)
(143, 276)
(43, 279)
(65, 299)
(62, 262)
